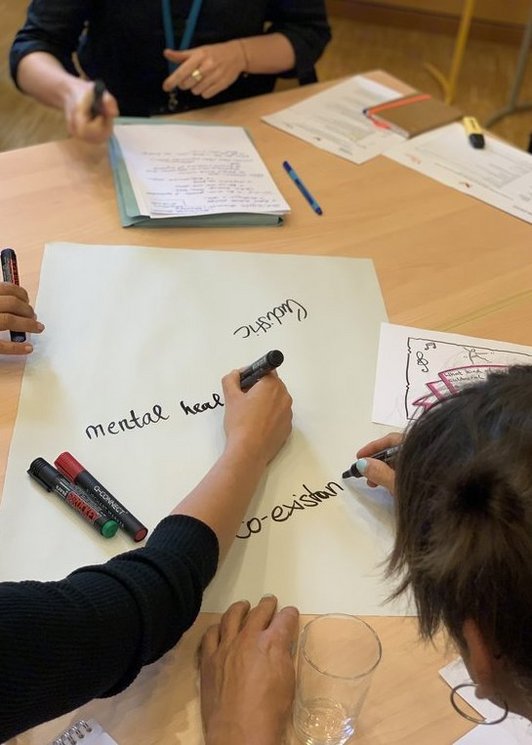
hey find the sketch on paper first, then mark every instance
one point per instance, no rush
(439, 369)
(416, 369)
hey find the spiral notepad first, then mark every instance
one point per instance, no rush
(86, 731)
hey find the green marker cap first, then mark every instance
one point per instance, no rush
(108, 529)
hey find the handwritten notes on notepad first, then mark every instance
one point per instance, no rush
(193, 171)
(139, 401)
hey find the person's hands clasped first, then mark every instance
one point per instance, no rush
(77, 109)
(16, 314)
(261, 417)
(377, 472)
(206, 70)
(248, 675)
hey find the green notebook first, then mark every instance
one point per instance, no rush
(130, 214)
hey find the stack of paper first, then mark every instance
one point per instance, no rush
(185, 175)
(334, 120)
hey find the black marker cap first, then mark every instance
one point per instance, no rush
(43, 472)
(477, 140)
(352, 472)
(275, 358)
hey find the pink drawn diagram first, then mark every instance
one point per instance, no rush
(436, 370)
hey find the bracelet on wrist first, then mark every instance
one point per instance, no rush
(244, 54)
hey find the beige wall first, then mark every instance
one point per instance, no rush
(500, 11)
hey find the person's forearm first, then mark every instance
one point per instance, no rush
(42, 76)
(221, 498)
(268, 54)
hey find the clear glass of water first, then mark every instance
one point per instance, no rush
(337, 657)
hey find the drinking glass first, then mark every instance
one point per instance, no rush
(337, 657)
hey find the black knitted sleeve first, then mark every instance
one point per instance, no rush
(87, 636)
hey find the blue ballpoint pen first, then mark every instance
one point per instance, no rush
(302, 188)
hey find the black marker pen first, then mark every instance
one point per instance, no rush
(386, 456)
(96, 105)
(260, 368)
(73, 470)
(8, 259)
(47, 476)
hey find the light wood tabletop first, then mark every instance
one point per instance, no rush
(444, 260)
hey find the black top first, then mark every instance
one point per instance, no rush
(87, 636)
(122, 43)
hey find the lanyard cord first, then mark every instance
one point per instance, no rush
(188, 33)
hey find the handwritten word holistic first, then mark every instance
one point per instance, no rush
(283, 512)
(273, 316)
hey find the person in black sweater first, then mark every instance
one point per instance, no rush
(63, 643)
(237, 50)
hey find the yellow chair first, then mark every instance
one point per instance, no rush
(448, 84)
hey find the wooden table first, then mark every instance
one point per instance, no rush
(444, 261)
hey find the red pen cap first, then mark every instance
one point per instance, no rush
(68, 466)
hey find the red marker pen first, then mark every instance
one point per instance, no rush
(47, 476)
(73, 470)
(8, 259)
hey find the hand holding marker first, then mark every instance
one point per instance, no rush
(388, 455)
(97, 101)
(91, 499)
(250, 375)
(8, 259)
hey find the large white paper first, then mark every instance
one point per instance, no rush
(130, 329)
(182, 171)
(334, 120)
(416, 368)
(498, 174)
(514, 730)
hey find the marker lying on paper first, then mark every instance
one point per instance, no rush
(47, 476)
(260, 368)
(8, 259)
(302, 188)
(73, 470)
(96, 105)
(386, 456)
(474, 132)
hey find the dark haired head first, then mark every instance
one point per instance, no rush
(464, 513)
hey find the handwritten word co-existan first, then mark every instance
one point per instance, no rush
(283, 512)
